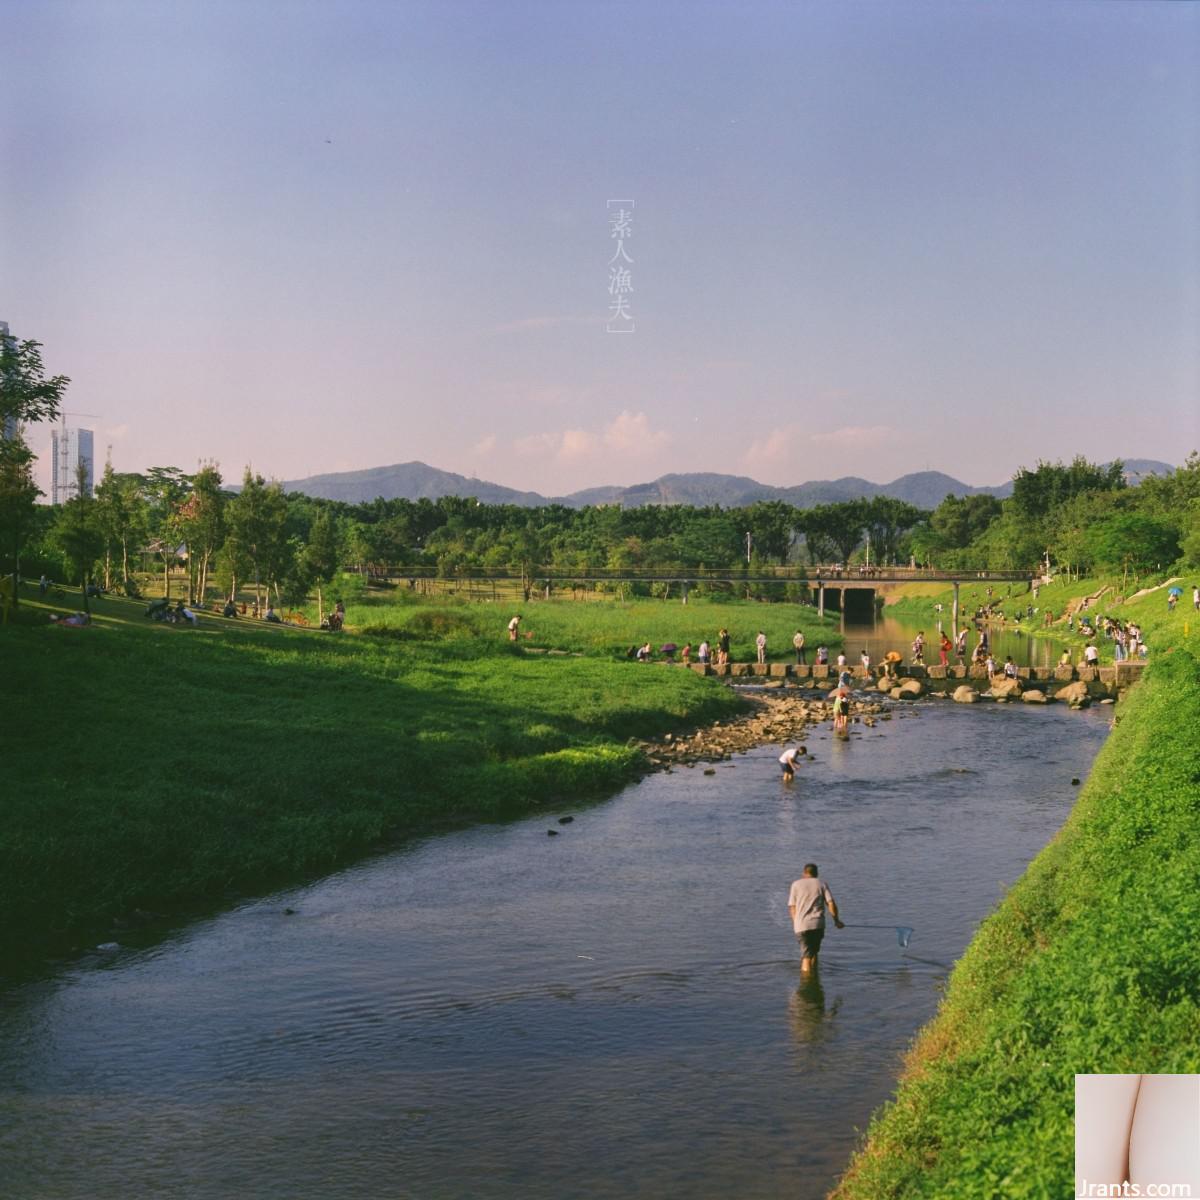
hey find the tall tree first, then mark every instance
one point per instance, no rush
(26, 395)
(78, 535)
(771, 524)
(257, 517)
(202, 522)
(321, 555)
(18, 497)
(1038, 492)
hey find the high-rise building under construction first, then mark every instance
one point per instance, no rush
(69, 448)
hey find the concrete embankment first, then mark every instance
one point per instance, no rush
(1090, 964)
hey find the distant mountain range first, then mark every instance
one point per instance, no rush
(418, 480)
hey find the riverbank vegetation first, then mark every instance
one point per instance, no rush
(153, 764)
(1090, 964)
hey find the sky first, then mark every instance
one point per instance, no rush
(866, 238)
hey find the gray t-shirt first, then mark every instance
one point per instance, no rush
(810, 897)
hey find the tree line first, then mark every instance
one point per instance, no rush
(1079, 516)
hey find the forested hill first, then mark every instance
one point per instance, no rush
(417, 480)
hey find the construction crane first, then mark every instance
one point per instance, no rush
(63, 454)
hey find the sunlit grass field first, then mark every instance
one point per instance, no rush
(147, 765)
(601, 629)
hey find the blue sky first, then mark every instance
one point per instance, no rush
(868, 238)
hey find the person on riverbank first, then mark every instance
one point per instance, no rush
(702, 653)
(787, 760)
(822, 656)
(808, 901)
(686, 654)
(891, 660)
(760, 644)
(944, 648)
(723, 646)
(1010, 668)
(1091, 656)
(798, 642)
(1196, 596)
(513, 626)
(865, 660)
(645, 652)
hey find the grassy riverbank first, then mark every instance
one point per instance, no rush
(147, 766)
(604, 628)
(1090, 964)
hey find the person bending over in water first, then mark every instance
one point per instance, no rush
(807, 902)
(787, 760)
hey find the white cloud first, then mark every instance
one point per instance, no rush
(789, 441)
(485, 445)
(116, 432)
(628, 434)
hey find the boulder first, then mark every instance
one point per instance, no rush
(1005, 687)
(1073, 693)
(965, 695)
(1033, 696)
(911, 688)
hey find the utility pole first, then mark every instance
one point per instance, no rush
(749, 543)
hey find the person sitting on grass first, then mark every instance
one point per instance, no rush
(272, 616)
(75, 620)
(644, 652)
(156, 610)
(230, 609)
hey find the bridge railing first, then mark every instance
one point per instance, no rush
(831, 574)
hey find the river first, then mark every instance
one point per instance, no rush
(612, 1012)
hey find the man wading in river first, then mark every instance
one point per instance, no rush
(807, 902)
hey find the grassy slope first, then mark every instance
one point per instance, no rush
(147, 765)
(1090, 964)
(607, 628)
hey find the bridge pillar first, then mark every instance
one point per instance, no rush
(820, 599)
(954, 612)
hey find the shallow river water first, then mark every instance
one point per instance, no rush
(612, 1012)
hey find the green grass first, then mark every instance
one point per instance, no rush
(600, 628)
(1090, 964)
(147, 765)
(1162, 629)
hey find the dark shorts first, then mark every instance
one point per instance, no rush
(810, 942)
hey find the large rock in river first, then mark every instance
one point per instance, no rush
(965, 695)
(1033, 696)
(911, 689)
(1073, 693)
(1010, 689)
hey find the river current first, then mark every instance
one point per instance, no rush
(615, 1011)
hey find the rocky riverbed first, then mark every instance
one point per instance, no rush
(782, 717)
